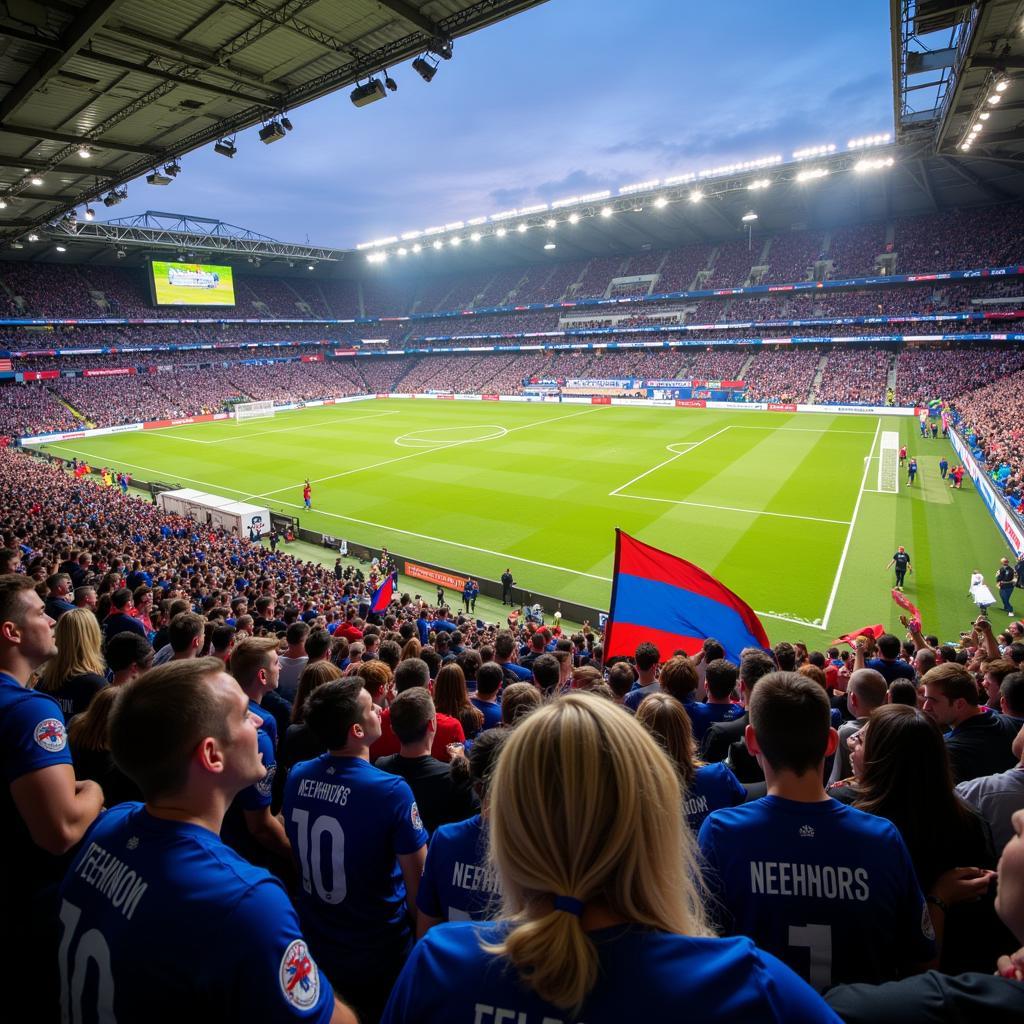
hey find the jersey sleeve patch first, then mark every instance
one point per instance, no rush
(414, 816)
(51, 735)
(299, 976)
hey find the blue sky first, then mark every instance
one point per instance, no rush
(573, 96)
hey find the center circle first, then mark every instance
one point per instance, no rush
(442, 437)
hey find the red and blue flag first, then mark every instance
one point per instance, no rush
(382, 595)
(673, 604)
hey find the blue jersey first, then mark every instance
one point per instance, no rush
(235, 831)
(269, 722)
(160, 921)
(714, 786)
(32, 737)
(703, 716)
(457, 883)
(828, 889)
(490, 710)
(643, 975)
(347, 822)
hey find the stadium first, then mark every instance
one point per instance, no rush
(760, 417)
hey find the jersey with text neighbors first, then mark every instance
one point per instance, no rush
(826, 888)
(457, 883)
(643, 975)
(161, 922)
(347, 822)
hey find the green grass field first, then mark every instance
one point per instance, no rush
(781, 507)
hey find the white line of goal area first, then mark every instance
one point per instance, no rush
(161, 431)
(689, 446)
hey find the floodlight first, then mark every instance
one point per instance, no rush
(286, 123)
(456, 240)
(3, 203)
(84, 152)
(994, 98)
(522, 229)
(389, 83)
(424, 68)
(759, 183)
(226, 147)
(551, 222)
(372, 91)
(574, 218)
(549, 245)
(402, 251)
(606, 211)
(984, 116)
(156, 178)
(311, 266)
(964, 146)
(417, 247)
(173, 168)
(1002, 85)
(271, 132)
(33, 237)
(36, 180)
(476, 236)
(438, 244)
(748, 217)
(60, 248)
(501, 232)
(661, 202)
(810, 175)
(442, 47)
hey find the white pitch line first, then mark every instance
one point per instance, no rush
(849, 533)
(161, 431)
(445, 445)
(678, 455)
(799, 430)
(733, 508)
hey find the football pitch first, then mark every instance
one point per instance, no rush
(782, 507)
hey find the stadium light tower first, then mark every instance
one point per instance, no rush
(748, 219)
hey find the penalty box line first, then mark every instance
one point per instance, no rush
(690, 445)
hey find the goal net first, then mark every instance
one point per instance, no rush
(888, 462)
(253, 411)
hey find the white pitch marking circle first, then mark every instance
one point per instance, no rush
(685, 445)
(426, 439)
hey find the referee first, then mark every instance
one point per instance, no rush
(901, 560)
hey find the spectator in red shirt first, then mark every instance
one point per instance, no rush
(409, 673)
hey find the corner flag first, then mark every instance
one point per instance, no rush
(674, 604)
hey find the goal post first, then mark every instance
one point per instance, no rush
(888, 462)
(253, 411)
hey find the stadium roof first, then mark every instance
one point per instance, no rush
(957, 65)
(94, 93)
(141, 85)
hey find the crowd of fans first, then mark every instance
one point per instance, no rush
(358, 806)
(945, 241)
(181, 386)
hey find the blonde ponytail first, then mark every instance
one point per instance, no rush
(586, 809)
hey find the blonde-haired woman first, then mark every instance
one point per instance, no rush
(601, 918)
(75, 674)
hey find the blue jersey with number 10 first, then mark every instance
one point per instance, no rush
(347, 822)
(160, 921)
(828, 889)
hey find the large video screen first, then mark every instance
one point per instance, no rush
(191, 284)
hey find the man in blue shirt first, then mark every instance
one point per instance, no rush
(360, 847)
(159, 920)
(828, 889)
(44, 812)
(489, 678)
